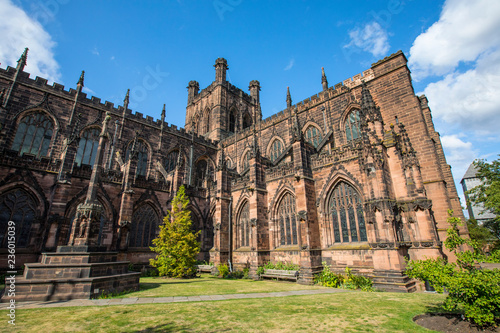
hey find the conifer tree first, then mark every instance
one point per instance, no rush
(176, 245)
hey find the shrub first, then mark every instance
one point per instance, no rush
(223, 270)
(477, 291)
(327, 278)
(280, 265)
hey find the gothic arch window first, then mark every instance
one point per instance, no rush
(313, 135)
(243, 226)
(232, 121)
(196, 226)
(33, 135)
(275, 150)
(287, 220)
(200, 173)
(247, 120)
(352, 126)
(346, 213)
(171, 160)
(207, 121)
(142, 151)
(145, 221)
(18, 206)
(246, 161)
(87, 148)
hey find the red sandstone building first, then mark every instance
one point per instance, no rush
(353, 176)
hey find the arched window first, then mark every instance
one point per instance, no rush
(143, 228)
(247, 120)
(18, 206)
(195, 225)
(352, 126)
(142, 157)
(313, 136)
(33, 135)
(243, 226)
(232, 121)
(87, 148)
(207, 121)
(287, 220)
(346, 213)
(246, 161)
(200, 173)
(171, 160)
(276, 150)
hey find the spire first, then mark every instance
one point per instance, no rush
(126, 101)
(21, 63)
(288, 98)
(324, 81)
(80, 80)
(163, 113)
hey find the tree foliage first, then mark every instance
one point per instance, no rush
(488, 193)
(475, 290)
(176, 245)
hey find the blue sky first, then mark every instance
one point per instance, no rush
(155, 48)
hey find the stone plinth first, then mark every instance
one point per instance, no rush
(393, 281)
(74, 272)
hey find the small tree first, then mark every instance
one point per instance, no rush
(476, 290)
(176, 244)
(488, 194)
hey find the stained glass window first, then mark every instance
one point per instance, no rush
(247, 121)
(243, 228)
(232, 121)
(352, 126)
(347, 214)
(171, 160)
(276, 150)
(142, 157)
(87, 148)
(33, 135)
(287, 220)
(200, 173)
(313, 136)
(143, 228)
(17, 206)
(246, 161)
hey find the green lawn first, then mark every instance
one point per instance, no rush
(209, 285)
(343, 312)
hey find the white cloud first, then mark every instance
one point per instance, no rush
(88, 91)
(371, 38)
(459, 154)
(290, 65)
(470, 99)
(17, 31)
(464, 31)
(95, 51)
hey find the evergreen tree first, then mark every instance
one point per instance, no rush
(176, 245)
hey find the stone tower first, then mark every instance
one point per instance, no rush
(221, 109)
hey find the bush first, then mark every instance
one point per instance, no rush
(475, 290)
(223, 270)
(327, 278)
(280, 265)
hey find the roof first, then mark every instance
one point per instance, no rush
(471, 172)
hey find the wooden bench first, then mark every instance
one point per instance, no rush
(205, 268)
(280, 274)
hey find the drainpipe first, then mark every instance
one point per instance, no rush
(230, 234)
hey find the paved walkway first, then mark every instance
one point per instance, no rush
(173, 299)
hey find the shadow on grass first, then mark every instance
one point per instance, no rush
(147, 286)
(172, 327)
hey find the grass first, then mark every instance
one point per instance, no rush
(209, 285)
(343, 312)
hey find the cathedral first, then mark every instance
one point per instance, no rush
(354, 176)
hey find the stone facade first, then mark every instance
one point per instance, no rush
(353, 176)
